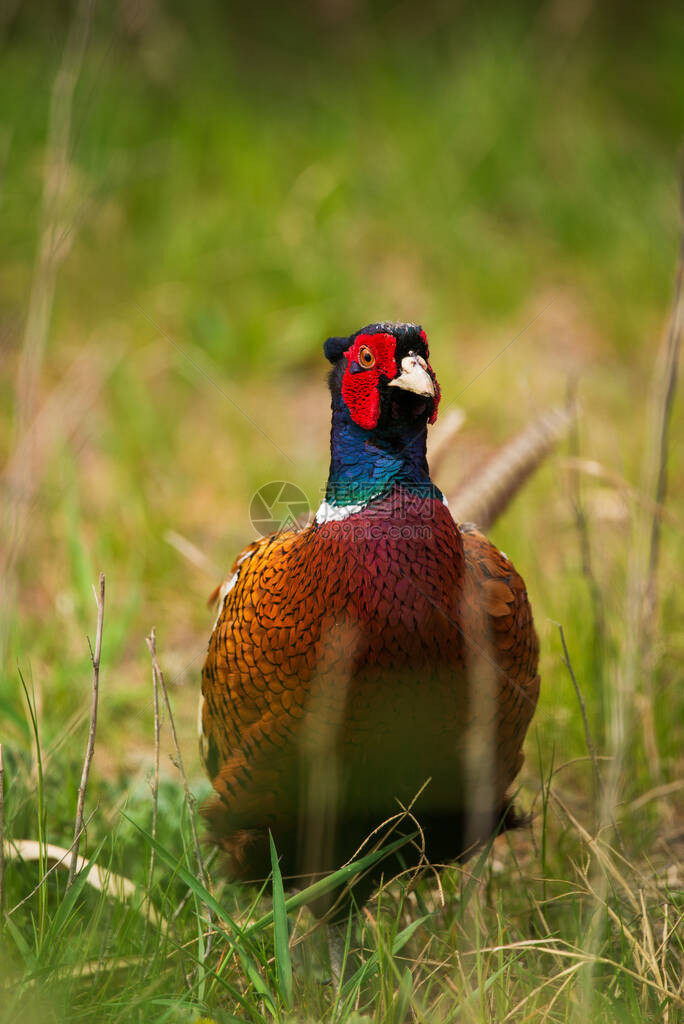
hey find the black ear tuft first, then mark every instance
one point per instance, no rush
(334, 348)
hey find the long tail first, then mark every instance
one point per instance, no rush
(481, 499)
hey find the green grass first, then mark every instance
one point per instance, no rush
(233, 194)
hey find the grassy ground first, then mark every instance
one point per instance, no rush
(179, 234)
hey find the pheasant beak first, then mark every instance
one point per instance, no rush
(414, 377)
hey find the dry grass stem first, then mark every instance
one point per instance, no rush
(665, 387)
(90, 747)
(658, 793)
(643, 610)
(602, 856)
(383, 831)
(633, 684)
(155, 778)
(567, 974)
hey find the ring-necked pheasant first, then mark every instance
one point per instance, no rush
(379, 647)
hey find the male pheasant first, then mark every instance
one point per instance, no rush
(381, 652)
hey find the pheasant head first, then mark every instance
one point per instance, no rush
(384, 394)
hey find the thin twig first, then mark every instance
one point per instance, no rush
(90, 748)
(580, 699)
(2, 840)
(151, 641)
(155, 780)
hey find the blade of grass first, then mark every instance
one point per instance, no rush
(333, 881)
(338, 965)
(403, 997)
(23, 947)
(66, 906)
(280, 930)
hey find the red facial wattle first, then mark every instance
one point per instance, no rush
(360, 389)
(360, 384)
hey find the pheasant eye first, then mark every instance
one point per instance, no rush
(365, 357)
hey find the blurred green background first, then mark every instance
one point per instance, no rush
(236, 184)
(192, 198)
